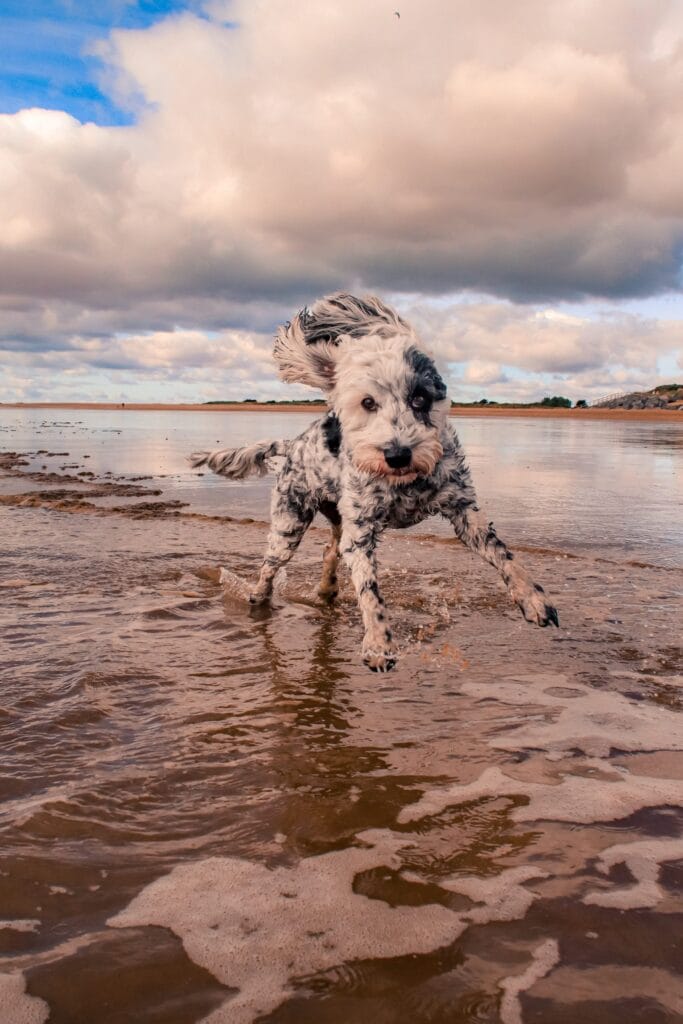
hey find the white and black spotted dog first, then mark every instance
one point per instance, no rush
(385, 455)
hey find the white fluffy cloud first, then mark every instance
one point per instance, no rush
(487, 348)
(528, 151)
(546, 340)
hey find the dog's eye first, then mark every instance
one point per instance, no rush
(419, 402)
(369, 403)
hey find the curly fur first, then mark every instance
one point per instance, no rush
(385, 456)
(238, 463)
(303, 348)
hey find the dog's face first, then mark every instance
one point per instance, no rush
(386, 392)
(391, 404)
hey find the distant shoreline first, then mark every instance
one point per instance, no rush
(465, 410)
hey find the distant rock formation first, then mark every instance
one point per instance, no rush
(666, 396)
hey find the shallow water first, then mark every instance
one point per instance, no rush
(213, 812)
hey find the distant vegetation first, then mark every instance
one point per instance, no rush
(271, 401)
(664, 396)
(556, 402)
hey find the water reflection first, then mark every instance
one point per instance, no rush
(150, 720)
(651, 436)
(566, 484)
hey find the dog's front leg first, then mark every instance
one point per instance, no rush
(358, 551)
(477, 533)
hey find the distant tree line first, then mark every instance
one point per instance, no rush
(556, 402)
(549, 402)
(262, 401)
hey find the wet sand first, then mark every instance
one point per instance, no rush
(212, 812)
(645, 415)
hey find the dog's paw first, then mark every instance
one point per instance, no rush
(379, 659)
(328, 593)
(535, 607)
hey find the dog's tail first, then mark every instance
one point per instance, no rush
(237, 463)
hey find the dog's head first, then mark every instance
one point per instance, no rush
(386, 391)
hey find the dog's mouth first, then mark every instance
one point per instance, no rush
(402, 473)
(379, 469)
(404, 477)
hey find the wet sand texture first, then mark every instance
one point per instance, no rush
(211, 812)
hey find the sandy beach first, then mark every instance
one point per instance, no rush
(489, 834)
(653, 415)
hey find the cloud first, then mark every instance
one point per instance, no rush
(462, 146)
(543, 339)
(482, 373)
(486, 347)
(520, 353)
(280, 151)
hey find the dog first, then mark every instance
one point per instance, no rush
(385, 455)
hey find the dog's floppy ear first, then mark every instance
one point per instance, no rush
(305, 349)
(302, 362)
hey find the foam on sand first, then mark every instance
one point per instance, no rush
(592, 721)
(504, 896)
(643, 859)
(258, 929)
(576, 798)
(544, 958)
(17, 1006)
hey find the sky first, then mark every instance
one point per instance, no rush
(178, 178)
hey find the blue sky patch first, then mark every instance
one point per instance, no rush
(45, 58)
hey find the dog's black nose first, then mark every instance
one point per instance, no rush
(397, 458)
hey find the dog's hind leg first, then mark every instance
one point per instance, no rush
(477, 533)
(329, 586)
(287, 527)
